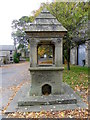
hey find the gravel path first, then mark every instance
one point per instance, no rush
(12, 77)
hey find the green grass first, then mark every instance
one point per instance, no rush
(76, 76)
(27, 59)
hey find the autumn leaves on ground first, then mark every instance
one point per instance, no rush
(77, 78)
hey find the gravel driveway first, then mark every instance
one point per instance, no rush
(12, 77)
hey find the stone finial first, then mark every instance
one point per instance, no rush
(45, 11)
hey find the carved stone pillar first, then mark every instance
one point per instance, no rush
(58, 52)
(33, 53)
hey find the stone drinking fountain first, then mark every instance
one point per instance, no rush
(46, 90)
(46, 31)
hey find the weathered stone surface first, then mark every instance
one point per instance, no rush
(46, 29)
(45, 34)
(46, 22)
(46, 75)
(48, 100)
(46, 68)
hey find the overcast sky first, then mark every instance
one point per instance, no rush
(14, 9)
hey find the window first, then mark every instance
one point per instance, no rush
(11, 59)
(10, 52)
(45, 54)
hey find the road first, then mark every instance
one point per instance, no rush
(12, 77)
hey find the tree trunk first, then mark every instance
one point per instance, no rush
(68, 59)
(77, 55)
(68, 65)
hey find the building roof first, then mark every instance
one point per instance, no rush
(7, 47)
(45, 22)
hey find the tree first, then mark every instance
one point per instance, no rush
(19, 27)
(16, 57)
(70, 15)
(45, 49)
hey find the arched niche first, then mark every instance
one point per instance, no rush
(46, 89)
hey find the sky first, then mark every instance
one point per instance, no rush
(14, 9)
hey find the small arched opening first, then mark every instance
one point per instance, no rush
(45, 53)
(46, 89)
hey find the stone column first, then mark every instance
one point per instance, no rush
(58, 52)
(33, 53)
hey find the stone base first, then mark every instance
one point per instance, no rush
(68, 101)
(47, 100)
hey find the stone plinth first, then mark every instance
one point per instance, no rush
(48, 100)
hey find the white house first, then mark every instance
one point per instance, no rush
(80, 54)
(6, 53)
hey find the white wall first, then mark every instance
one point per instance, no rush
(6, 55)
(81, 54)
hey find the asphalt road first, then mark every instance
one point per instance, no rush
(11, 76)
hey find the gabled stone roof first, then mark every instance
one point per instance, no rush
(45, 22)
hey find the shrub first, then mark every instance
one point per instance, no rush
(16, 57)
(16, 60)
(4, 61)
